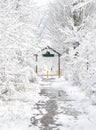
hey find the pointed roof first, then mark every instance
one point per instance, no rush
(48, 47)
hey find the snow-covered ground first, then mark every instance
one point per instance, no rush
(65, 106)
(17, 109)
(86, 118)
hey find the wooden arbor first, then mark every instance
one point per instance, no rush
(49, 55)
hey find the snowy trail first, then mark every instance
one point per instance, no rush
(62, 110)
(60, 106)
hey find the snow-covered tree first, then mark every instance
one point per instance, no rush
(72, 32)
(19, 41)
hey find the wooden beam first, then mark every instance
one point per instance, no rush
(59, 67)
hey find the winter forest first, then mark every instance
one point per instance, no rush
(41, 101)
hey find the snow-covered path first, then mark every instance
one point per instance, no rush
(66, 108)
(60, 106)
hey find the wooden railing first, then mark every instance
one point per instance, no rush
(50, 73)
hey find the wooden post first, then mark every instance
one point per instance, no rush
(47, 74)
(58, 66)
(36, 64)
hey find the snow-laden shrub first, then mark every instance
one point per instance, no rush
(90, 87)
(17, 81)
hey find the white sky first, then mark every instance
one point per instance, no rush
(42, 2)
